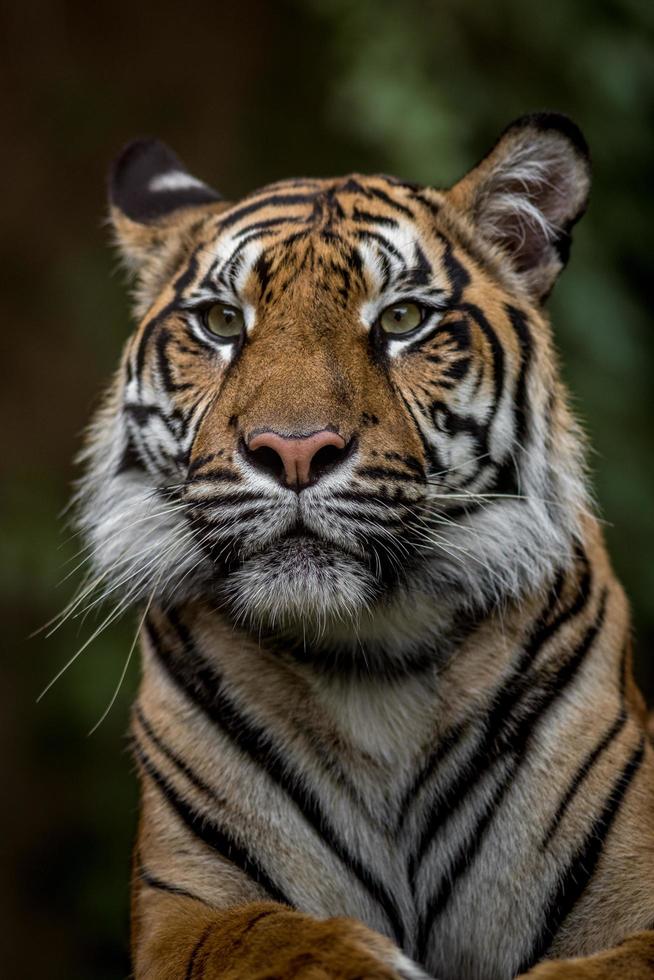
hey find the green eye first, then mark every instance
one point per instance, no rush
(223, 321)
(401, 318)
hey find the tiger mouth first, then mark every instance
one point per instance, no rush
(301, 553)
(305, 541)
(299, 578)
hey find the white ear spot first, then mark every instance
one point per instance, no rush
(148, 181)
(173, 180)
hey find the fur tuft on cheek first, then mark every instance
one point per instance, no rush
(138, 540)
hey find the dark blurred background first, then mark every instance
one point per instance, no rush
(247, 93)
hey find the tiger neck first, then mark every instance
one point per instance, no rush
(398, 711)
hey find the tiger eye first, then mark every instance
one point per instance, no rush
(223, 321)
(401, 318)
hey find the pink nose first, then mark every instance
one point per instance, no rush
(299, 459)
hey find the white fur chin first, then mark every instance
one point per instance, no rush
(299, 582)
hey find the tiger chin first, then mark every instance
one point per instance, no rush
(387, 725)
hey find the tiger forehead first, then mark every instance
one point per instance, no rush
(325, 200)
(339, 226)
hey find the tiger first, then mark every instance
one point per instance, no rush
(387, 725)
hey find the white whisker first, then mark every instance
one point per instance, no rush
(126, 664)
(113, 615)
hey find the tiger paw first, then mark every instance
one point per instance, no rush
(268, 942)
(631, 960)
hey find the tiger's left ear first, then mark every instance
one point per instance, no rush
(153, 201)
(527, 193)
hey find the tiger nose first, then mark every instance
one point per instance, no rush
(296, 461)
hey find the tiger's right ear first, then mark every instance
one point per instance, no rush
(527, 194)
(153, 200)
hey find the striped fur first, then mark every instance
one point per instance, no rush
(388, 720)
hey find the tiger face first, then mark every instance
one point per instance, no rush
(338, 415)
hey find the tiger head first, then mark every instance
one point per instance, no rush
(339, 415)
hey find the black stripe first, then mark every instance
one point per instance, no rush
(431, 207)
(454, 423)
(581, 869)
(130, 459)
(375, 236)
(239, 509)
(457, 370)
(359, 215)
(443, 749)
(516, 742)
(362, 663)
(387, 199)
(591, 758)
(230, 496)
(197, 948)
(158, 884)
(504, 703)
(206, 830)
(312, 182)
(201, 520)
(239, 939)
(299, 236)
(388, 473)
(165, 362)
(142, 413)
(199, 461)
(172, 756)
(386, 269)
(183, 280)
(154, 458)
(262, 269)
(433, 462)
(458, 275)
(203, 686)
(454, 338)
(218, 475)
(199, 783)
(259, 226)
(233, 265)
(270, 201)
(497, 351)
(521, 401)
(410, 461)
(462, 860)
(422, 272)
